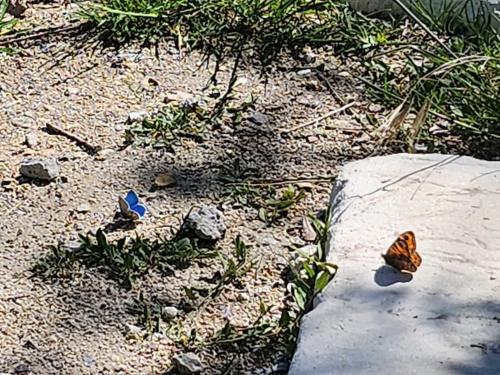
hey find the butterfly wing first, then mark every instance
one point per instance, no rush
(138, 211)
(400, 262)
(130, 206)
(124, 206)
(402, 254)
(132, 198)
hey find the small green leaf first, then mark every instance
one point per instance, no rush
(263, 214)
(322, 280)
(300, 297)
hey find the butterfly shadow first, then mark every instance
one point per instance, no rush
(387, 275)
(119, 223)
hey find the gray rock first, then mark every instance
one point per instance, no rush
(31, 140)
(259, 118)
(22, 368)
(88, 360)
(206, 223)
(442, 318)
(188, 363)
(170, 312)
(137, 116)
(40, 169)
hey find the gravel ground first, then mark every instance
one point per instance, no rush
(81, 325)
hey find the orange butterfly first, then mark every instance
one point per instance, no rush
(402, 254)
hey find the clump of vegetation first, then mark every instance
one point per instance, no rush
(309, 276)
(442, 64)
(5, 26)
(123, 260)
(271, 204)
(169, 125)
(215, 25)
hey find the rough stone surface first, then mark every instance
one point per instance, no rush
(40, 169)
(188, 363)
(443, 319)
(206, 223)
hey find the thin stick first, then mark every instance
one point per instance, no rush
(81, 142)
(330, 87)
(315, 121)
(284, 181)
(39, 34)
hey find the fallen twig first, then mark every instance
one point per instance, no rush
(330, 87)
(315, 121)
(284, 181)
(81, 142)
(52, 30)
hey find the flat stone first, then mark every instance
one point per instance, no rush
(40, 169)
(442, 319)
(188, 363)
(206, 223)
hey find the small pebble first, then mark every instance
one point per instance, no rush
(88, 360)
(22, 368)
(312, 139)
(83, 208)
(103, 154)
(259, 118)
(170, 312)
(71, 91)
(31, 140)
(137, 116)
(304, 72)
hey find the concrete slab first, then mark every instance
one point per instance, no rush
(443, 319)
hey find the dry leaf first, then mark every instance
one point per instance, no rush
(392, 126)
(417, 126)
(164, 180)
(308, 232)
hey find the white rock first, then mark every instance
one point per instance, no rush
(84, 207)
(31, 140)
(137, 116)
(170, 311)
(40, 169)
(304, 72)
(373, 319)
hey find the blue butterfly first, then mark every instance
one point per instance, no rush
(130, 206)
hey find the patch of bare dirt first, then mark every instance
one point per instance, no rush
(79, 326)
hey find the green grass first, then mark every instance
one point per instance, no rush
(123, 260)
(170, 124)
(458, 76)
